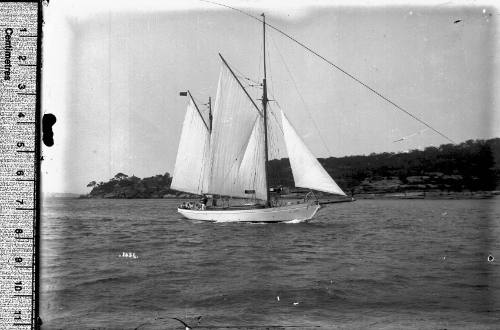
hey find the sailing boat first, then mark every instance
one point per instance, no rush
(228, 156)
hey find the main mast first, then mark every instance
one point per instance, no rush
(264, 108)
(210, 117)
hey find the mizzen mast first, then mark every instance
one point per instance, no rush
(264, 109)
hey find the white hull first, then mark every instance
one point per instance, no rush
(297, 212)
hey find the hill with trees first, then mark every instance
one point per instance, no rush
(473, 165)
(124, 186)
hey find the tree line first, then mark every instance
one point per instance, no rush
(473, 165)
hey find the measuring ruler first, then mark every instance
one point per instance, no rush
(20, 76)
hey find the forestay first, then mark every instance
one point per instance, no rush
(192, 156)
(307, 171)
(237, 144)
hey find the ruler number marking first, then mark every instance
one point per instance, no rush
(22, 61)
(18, 232)
(18, 286)
(21, 144)
(19, 260)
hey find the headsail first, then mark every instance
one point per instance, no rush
(252, 171)
(190, 164)
(307, 171)
(236, 162)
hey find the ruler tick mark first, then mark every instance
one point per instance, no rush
(26, 122)
(25, 150)
(22, 93)
(23, 237)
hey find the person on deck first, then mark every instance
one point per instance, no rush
(203, 202)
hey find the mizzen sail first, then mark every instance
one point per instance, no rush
(307, 171)
(190, 170)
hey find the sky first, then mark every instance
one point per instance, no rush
(112, 77)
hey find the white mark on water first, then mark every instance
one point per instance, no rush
(131, 255)
(296, 303)
(444, 214)
(278, 298)
(294, 221)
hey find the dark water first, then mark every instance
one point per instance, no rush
(377, 264)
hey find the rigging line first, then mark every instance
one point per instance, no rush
(411, 135)
(276, 119)
(201, 177)
(196, 99)
(261, 62)
(197, 109)
(276, 147)
(337, 67)
(246, 79)
(244, 90)
(271, 85)
(301, 98)
(241, 75)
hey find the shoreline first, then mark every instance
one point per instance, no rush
(430, 195)
(434, 195)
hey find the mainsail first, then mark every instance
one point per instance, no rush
(190, 165)
(307, 171)
(237, 148)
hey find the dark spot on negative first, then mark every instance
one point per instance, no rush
(490, 258)
(48, 136)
